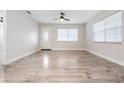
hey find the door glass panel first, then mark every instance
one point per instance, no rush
(45, 36)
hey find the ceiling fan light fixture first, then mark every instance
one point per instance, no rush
(61, 19)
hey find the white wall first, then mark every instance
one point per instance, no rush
(111, 51)
(22, 35)
(57, 45)
(3, 38)
(1, 35)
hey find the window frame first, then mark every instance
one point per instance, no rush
(109, 28)
(67, 35)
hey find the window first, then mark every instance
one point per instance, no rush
(113, 28)
(67, 34)
(62, 35)
(109, 29)
(99, 32)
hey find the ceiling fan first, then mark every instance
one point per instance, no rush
(62, 17)
(1, 19)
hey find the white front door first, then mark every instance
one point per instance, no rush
(46, 38)
(1, 41)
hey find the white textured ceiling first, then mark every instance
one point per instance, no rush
(75, 16)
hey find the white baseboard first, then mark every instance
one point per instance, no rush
(66, 49)
(22, 56)
(107, 58)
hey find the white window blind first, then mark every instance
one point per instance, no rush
(99, 32)
(113, 28)
(62, 35)
(67, 34)
(109, 29)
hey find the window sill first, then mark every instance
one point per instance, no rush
(109, 42)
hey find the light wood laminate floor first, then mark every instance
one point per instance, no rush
(63, 66)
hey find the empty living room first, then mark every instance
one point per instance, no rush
(61, 46)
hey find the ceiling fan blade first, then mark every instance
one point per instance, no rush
(62, 18)
(56, 18)
(66, 19)
(1, 19)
